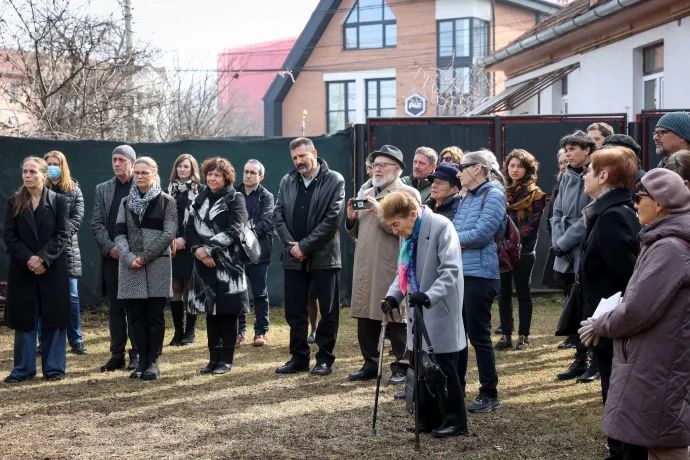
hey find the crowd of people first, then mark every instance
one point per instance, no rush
(429, 255)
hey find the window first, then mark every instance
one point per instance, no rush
(564, 95)
(461, 84)
(381, 98)
(370, 24)
(653, 76)
(341, 104)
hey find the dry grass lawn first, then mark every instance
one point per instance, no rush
(253, 413)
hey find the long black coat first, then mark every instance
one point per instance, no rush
(609, 249)
(45, 237)
(217, 227)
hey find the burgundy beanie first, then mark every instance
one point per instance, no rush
(668, 189)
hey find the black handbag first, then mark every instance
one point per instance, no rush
(429, 371)
(569, 322)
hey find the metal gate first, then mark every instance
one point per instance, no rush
(647, 122)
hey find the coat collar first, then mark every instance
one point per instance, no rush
(395, 186)
(611, 198)
(47, 201)
(321, 170)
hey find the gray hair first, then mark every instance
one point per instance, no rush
(262, 170)
(429, 153)
(487, 160)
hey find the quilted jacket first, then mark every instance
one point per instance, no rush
(476, 226)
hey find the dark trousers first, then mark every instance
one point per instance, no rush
(568, 279)
(521, 275)
(222, 336)
(622, 451)
(327, 287)
(476, 315)
(118, 321)
(256, 273)
(148, 322)
(368, 336)
(450, 411)
(603, 358)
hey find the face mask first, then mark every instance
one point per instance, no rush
(54, 172)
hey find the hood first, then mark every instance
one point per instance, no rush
(572, 173)
(675, 225)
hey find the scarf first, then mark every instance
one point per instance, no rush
(520, 198)
(177, 188)
(408, 258)
(137, 203)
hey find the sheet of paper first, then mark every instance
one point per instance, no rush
(606, 305)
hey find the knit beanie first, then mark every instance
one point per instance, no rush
(678, 122)
(668, 189)
(126, 151)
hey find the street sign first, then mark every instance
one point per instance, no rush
(415, 105)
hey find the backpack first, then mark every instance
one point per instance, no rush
(509, 246)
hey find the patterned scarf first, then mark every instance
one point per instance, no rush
(137, 203)
(177, 188)
(520, 197)
(408, 258)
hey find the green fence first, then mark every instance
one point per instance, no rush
(90, 164)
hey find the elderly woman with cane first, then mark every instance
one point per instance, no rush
(430, 276)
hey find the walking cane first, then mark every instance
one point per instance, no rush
(384, 323)
(416, 345)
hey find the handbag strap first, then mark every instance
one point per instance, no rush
(419, 318)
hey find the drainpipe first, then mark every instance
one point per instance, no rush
(583, 20)
(493, 43)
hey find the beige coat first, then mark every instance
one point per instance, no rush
(376, 256)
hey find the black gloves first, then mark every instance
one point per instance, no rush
(558, 252)
(388, 305)
(567, 256)
(420, 298)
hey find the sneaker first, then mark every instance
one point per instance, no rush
(504, 343)
(522, 343)
(312, 338)
(484, 404)
(240, 339)
(259, 340)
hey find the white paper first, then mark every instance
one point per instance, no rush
(607, 305)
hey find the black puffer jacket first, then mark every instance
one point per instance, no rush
(322, 244)
(75, 201)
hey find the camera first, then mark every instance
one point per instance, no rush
(360, 204)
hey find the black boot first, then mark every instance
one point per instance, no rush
(177, 310)
(576, 369)
(188, 337)
(213, 361)
(152, 372)
(591, 374)
(226, 358)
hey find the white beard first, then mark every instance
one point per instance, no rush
(384, 181)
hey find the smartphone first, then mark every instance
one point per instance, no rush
(360, 204)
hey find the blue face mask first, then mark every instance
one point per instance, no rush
(54, 172)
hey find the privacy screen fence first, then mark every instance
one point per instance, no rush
(90, 164)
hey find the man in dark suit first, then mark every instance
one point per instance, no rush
(109, 196)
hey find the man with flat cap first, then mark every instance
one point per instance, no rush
(623, 140)
(106, 205)
(376, 261)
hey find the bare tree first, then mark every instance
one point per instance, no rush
(69, 71)
(454, 91)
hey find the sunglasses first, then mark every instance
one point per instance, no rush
(637, 198)
(466, 165)
(446, 159)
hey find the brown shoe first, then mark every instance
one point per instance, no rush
(240, 339)
(259, 340)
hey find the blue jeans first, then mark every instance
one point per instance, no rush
(74, 329)
(53, 356)
(256, 273)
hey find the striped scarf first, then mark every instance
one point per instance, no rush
(407, 260)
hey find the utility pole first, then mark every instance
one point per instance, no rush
(129, 69)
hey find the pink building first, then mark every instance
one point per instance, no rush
(245, 73)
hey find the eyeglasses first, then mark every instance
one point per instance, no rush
(446, 159)
(381, 165)
(661, 132)
(466, 165)
(142, 173)
(637, 198)
(250, 173)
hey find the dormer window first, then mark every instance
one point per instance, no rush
(370, 24)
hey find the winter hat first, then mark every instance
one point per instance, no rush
(668, 189)
(678, 122)
(126, 151)
(622, 140)
(388, 151)
(446, 171)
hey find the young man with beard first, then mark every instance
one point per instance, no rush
(308, 213)
(568, 229)
(109, 196)
(424, 163)
(672, 133)
(376, 261)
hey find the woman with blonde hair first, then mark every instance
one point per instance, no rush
(451, 154)
(61, 182)
(145, 227)
(184, 187)
(36, 232)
